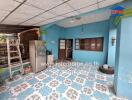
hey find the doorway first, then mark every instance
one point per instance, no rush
(65, 49)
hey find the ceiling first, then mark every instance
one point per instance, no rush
(75, 21)
(42, 12)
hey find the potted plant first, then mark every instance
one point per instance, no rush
(43, 33)
(1, 79)
(49, 52)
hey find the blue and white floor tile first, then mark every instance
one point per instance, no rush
(61, 83)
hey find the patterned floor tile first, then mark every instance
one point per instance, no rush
(87, 91)
(35, 96)
(3, 89)
(66, 82)
(101, 88)
(76, 86)
(61, 88)
(80, 80)
(53, 84)
(45, 91)
(100, 77)
(72, 94)
(38, 85)
(84, 97)
(41, 77)
(20, 88)
(54, 96)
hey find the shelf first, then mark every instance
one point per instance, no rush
(3, 58)
(3, 45)
(11, 45)
(4, 66)
(16, 64)
(15, 57)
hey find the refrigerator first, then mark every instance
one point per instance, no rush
(37, 53)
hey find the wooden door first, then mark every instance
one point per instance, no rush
(62, 49)
(69, 44)
(65, 49)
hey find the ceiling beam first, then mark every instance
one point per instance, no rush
(14, 28)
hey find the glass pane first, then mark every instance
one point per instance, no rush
(62, 41)
(62, 47)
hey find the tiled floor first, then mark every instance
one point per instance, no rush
(82, 82)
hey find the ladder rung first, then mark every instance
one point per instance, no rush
(19, 64)
(13, 65)
(24, 63)
(13, 44)
(15, 57)
(16, 70)
(13, 51)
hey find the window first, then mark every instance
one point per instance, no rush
(90, 44)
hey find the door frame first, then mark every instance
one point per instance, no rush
(65, 46)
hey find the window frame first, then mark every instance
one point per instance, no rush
(96, 39)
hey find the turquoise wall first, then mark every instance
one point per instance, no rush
(98, 29)
(51, 38)
(123, 70)
(111, 48)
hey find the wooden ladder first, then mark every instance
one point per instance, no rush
(14, 42)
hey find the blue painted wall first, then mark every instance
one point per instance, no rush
(111, 48)
(123, 72)
(51, 38)
(113, 32)
(98, 29)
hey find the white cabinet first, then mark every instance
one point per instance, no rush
(50, 59)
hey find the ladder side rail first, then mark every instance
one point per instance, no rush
(20, 57)
(8, 54)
